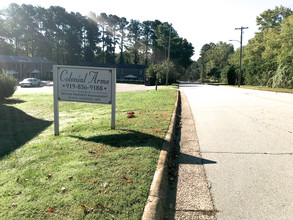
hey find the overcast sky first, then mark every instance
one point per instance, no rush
(200, 22)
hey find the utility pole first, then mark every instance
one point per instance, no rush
(168, 55)
(239, 76)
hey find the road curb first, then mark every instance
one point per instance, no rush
(154, 208)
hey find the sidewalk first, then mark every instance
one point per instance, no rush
(189, 195)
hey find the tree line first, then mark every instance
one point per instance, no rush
(71, 38)
(267, 59)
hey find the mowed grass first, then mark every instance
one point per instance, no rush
(89, 171)
(265, 88)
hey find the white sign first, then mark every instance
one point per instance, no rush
(84, 84)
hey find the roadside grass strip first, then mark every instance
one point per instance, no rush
(265, 88)
(89, 171)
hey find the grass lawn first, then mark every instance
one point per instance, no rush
(89, 171)
(265, 88)
(262, 88)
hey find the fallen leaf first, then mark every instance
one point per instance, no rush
(49, 175)
(132, 168)
(129, 181)
(13, 204)
(85, 210)
(70, 177)
(130, 115)
(50, 209)
(100, 204)
(83, 206)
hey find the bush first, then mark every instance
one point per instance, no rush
(282, 79)
(7, 85)
(228, 75)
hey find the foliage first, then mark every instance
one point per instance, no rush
(71, 38)
(272, 18)
(7, 85)
(266, 60)
(159, 72)
(282, 79)
(215, 58)
(266, 63)
(192, 73)
(228, 75)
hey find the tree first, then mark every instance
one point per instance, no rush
(46, 29)
(122, 23)
(146, 40)
(283, 77)
(70, 38)
(13, 27)
(228, 75)
(155, 56)
(162, 33)
(158, 71)
(5, 47)
(110, 41)
(272, 18)
(134, 37)
(181, 52)
(113, 28)
(203, 59)
(214, 58)
(91, 39)
(261, 55)
(77, 27)
(102, 21)
(192, 73)
(218, 58)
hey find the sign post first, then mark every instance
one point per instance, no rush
(84, 84)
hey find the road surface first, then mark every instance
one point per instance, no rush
(249, 134)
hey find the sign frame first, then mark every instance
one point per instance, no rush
(85, 86)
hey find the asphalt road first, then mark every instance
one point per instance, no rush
(47, 87)
(249, 134)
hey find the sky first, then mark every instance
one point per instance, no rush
(200, 22)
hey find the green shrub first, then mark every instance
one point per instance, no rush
(283, 78)
(228, 75)
(7, 85)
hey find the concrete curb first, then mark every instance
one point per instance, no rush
(154, 208)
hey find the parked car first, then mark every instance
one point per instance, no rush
(29, 82)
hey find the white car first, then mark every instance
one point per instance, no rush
(29, 82)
